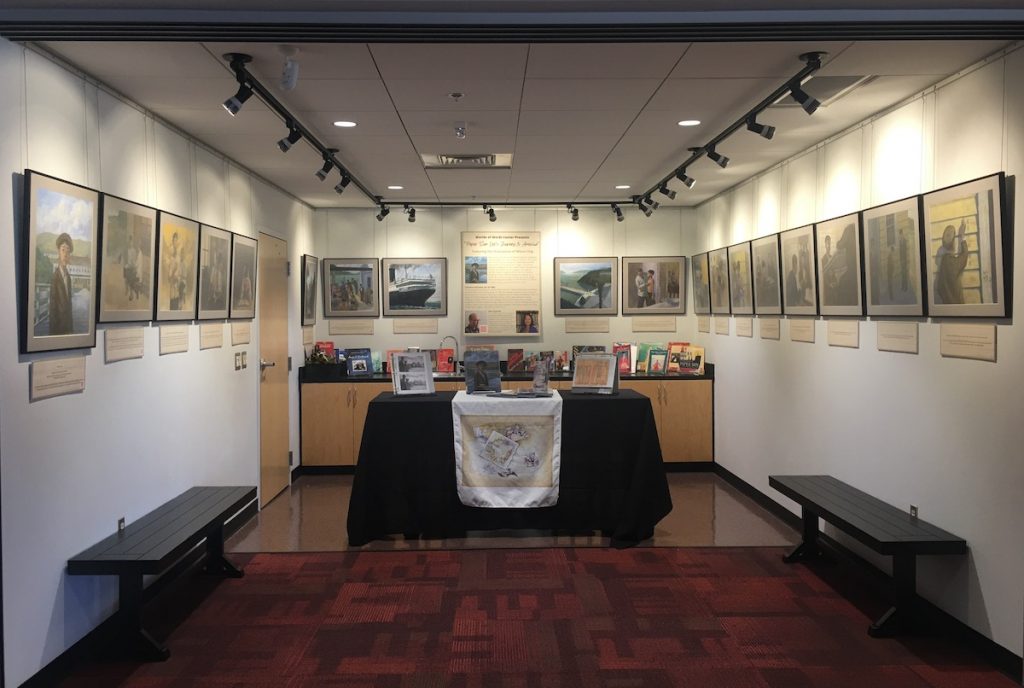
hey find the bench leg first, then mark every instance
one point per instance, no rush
(137, 640)
(215, 562)
(808, 548)
(899, 617)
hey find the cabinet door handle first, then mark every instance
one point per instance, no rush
(355, 396)
(348, 397)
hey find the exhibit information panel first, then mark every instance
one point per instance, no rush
(501, 283)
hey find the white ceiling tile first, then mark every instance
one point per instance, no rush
(174, 92)
(603, 60)
(469, 145)
(575, 122)
(466, 184)
(166, 59)
(457, 61)
(710, 100)
(478, 94)
(368, 123)
(760, 59)
(316, 60)
(253, 121)
(478, 122)
(337, 95)
(587, 94)
(559, 152)
(895, 58)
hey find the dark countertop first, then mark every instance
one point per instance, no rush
(338, 373)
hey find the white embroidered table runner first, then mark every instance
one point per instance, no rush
(507, 451)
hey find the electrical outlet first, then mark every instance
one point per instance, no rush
(245, 360)
(238, 361)
(913, 511)
(120, 525)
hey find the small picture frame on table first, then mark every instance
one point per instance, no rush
(596, 373)
(410, 373)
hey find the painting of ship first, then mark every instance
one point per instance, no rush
(415, 286)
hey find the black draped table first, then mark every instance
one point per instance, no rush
(612, 476)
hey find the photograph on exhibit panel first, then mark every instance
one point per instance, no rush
(966, 251)
(61, 221)
(839, 283)
(178, 239)
(654, 285)
(741, 287)
(214, 264)
(892, 259)
(800, 287)
(127, 261)
(243, 277)
(767, 282)
(701, 284)
(309, 271)
(718, 261)
(350, 287)
(416, 286)
(586, 286)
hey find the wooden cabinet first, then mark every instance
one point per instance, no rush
(683, 413)
(333, 414)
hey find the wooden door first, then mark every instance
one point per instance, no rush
(272, 298)
(686, 426)
(363, 393)
(327, 424)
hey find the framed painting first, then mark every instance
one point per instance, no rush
(967, 254)
(839, 272)
(893, 280)
(59, 288)
(767, 275)
(350, 287)
(178, 259)
(586, 286)
(654, 285)
(243, 277)
(416, 287)
(741, 285)
(701, 284)
(718, 261)
(800, 293)
(214, 265)
(127, 261)
(309, 270)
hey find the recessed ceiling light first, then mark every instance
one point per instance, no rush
(689, 122)
(622, 186)
(395, 187)
(344, 123)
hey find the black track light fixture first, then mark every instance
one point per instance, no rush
(718, 158)
(651, 203)
(640, 203)
(765, 131)
(491, 215)
(686, 179)
(411, 212)
(807, 102)
(574, 212)
(665, 191)
(235, 102)
(293, 137)
(384, 210)
(618, 212)
(322, 173)
(345, 181)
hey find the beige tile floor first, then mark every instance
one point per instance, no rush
(707, 512)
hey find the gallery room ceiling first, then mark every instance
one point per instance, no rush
(578, 119)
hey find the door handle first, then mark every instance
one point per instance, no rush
(266, 364)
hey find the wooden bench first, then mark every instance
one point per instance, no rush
(153, 543)
(880, 526)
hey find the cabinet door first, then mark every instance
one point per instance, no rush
(685, 430)
(651, 389)
(362, 394)
(326, 424)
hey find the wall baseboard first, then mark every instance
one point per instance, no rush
(59, 668)
(998, 656)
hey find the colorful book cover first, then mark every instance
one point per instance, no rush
(623, 354)
(516, 361)
(483, 373)
(530, 359)
(561, 362)
(433, 359)
(377, 365)
(657, 361)
(675, 355)
(548, 359)
(642, 350)
(340, 355)
(446, 360)
(360, 362)
(693, 361)
(387, 356)
(327, 348)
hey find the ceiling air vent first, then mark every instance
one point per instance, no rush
(827, 89)
(466, 161)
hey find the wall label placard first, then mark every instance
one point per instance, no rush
(56, 376)
(898, 336)
(350, 326)
(770, 328)
(744, 327)
(173, 339)
(654, 323)
(801, 329)
(211, 336)
(414, 325)
(704, 323)
(722, 324)
(241, 332)
(844, 333)
(978, 342)
(123, 343)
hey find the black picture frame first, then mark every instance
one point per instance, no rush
(800, 274)
(839, 262)
(701, 284)
(310, 268)
(127, 261)
(765, 264)
(244, 264)
(894, 280)
(177, 293)
(214, 273)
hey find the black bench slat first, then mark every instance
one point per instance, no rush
(880, 525)
(203, 511)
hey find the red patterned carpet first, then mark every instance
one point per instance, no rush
(700, 617)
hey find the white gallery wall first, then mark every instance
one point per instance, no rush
(143, 430)
(941, 433)
(437, 232)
